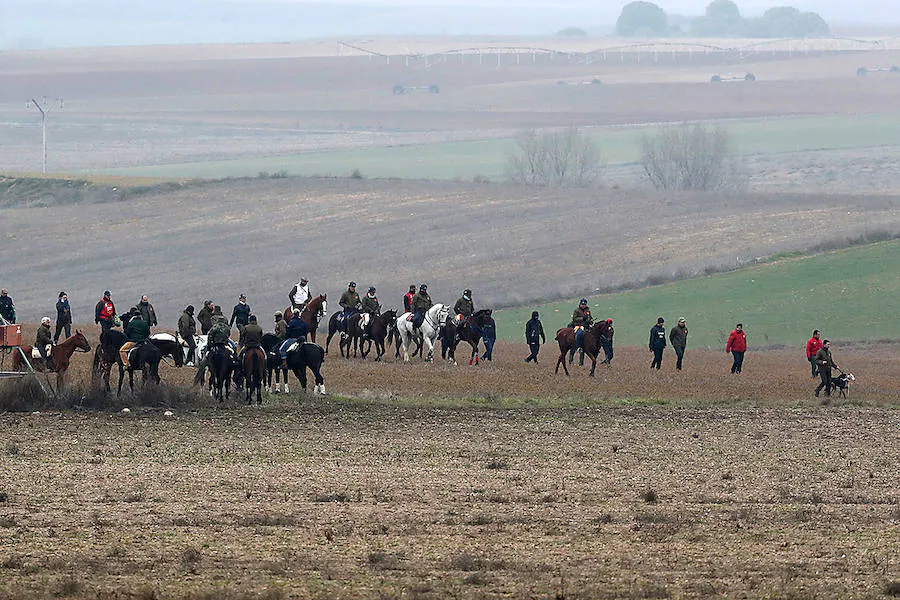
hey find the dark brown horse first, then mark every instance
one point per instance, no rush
(60, 357)
(312, 313)
(254, 373)
(379, 329)
(591, 342)
(469, 331)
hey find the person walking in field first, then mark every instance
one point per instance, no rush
(607, 343)
(678, 339)
(825, 363)
(148, 313)
(657, 343)
(187, 329)
(489, 337)
(204, 317)
(105, 313)
(7, 307)
(812, 348)
(240, 314)
(534, 337)
(737, 346)
(63, 317)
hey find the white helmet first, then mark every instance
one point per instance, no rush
(45, 321)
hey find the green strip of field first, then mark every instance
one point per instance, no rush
(465, 160)
(851, 294)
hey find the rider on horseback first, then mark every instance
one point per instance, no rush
(296, 331)
(408, 298)
(370, 308)
(44, 338)
(420, 304)
(349, 302)
(581, 319)
(220, 331)
(136, 332)
(251, 336)
(300, 294)
(464, 307)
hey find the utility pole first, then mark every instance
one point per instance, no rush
(44, 108)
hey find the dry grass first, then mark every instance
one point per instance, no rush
(330, 498)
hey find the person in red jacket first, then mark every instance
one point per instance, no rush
(407, 299)
(813, 346)
(737, 345)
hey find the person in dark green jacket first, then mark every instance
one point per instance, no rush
(136, 332)
(420, 305)
(204, 317)
(464, 307)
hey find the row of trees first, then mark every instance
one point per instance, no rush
(722, 19)
(686, 157)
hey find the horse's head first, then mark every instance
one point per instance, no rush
(389, 315)
(440, 312)
(81, 343)
(482, 316)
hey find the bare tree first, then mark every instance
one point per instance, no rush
(691, 157)
(555, 158)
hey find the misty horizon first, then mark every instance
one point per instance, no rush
(30, 24)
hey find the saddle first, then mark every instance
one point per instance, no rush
(35, 353)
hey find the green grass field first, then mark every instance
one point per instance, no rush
(851, 294)
(465, 160)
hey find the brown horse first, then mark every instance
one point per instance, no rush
(379, 329)
(591, 342)
(60, 357)
(254, 373)
(312, 313)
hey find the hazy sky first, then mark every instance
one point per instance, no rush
(63, 23)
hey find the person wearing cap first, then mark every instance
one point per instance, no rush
(187, 329)
(296, 331)
(300, 294)
(63, 317)
(251, 335)
(370, 308)
(43, 339)
(678, 339)
(280, 325)
(737, 346)
(204, 317)
(534, 337)
(148, 314)
(657, 343)
(220, 331)
(7, 307)
(581, 319)
(420, 305)
(105, 313)
(408, 298)
(349, 301)
(464, 307)
(240, 314)
(607, 342)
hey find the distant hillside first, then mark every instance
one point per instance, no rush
(510, 244)
(851, 294)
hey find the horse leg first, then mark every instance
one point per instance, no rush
(593, 364)
(284, 371)
(474, 354)
(562, 361)
(300, 372)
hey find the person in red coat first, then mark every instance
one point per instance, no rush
(737, 345)
(812, 346)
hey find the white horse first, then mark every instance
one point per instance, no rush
(431, 325)
(199, 341)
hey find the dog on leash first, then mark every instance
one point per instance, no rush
(842, 383)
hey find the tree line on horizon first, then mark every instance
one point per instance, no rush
(722, 18)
